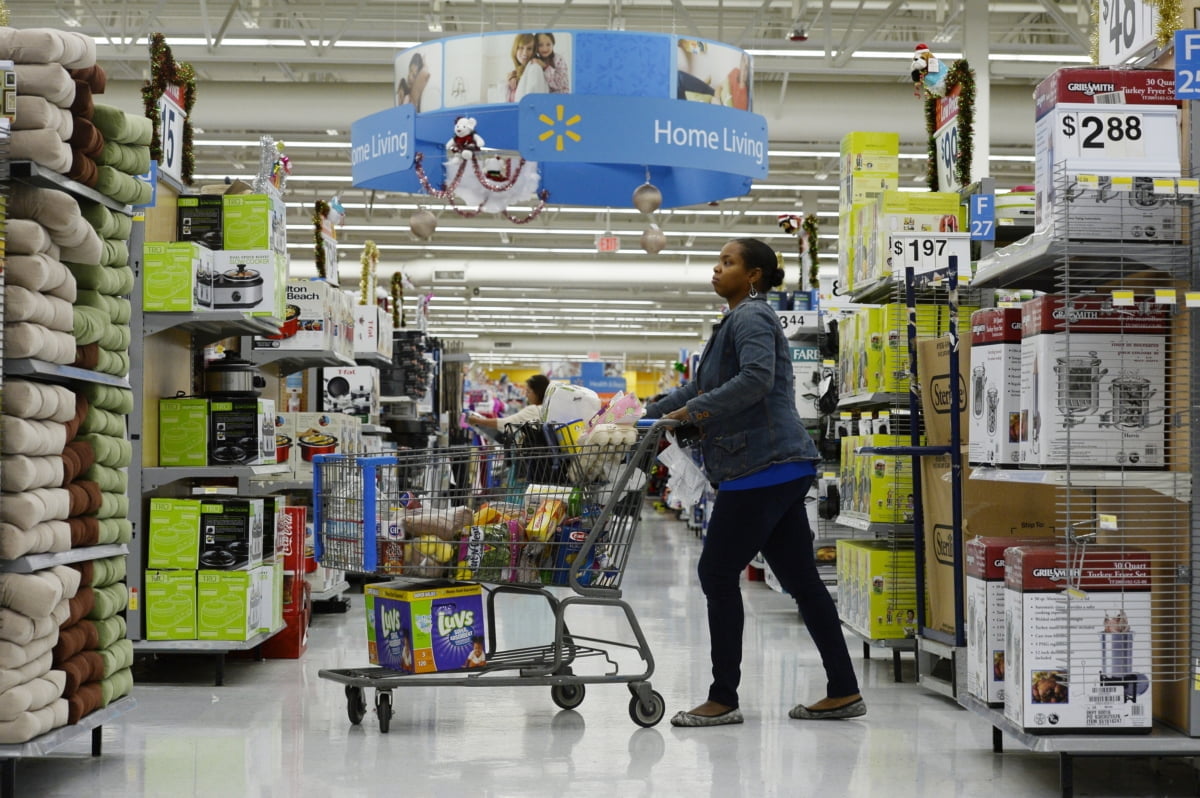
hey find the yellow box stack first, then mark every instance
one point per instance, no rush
(870, 166)
(877, 594)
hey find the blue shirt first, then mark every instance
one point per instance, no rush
(772, 475)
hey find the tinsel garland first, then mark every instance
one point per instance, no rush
(366, 280)
(962, 76)
(447, 192)
(164, 72)
(397, 300)
(1170, 20)
(320, 211)
(810, 227)
(3, 14)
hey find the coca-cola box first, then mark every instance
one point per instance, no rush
(1077, 638)
(994, 386)
(1093, 382)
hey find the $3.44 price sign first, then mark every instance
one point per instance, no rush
(929, 254)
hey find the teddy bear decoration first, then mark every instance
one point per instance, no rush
(465, 142)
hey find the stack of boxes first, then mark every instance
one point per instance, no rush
(994, 387)
(877, 594)
(300, 437)
(198, 432)
(317, 317)
(869, 166)
(205, 577)
(372, 331)
(876, 488)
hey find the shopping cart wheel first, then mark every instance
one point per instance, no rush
(647, 716)
(383, 708)
(567, 696)
(356, 705)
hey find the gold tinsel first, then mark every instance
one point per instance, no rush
(3, 14)
(1094, 39)
(366, 283)
(1170, 19)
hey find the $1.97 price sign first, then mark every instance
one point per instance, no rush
(929, 254)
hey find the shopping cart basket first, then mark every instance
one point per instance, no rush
(472, 514)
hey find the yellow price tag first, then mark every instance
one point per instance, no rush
(1122, 183)
(1108, 522)
(1164, 185)
(1191, 299)
(133, 599)
(1187, 185)
(1165, 296)
(830, 363)
(1087, 181)
(1122, 298)
(1076, 593)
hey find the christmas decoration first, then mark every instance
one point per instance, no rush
(465, 142)
(653, 240)
(366, 280)
(397, 300)
(423, 224)
(273, 165)
(164, 72)
(3, 14)
(810, 246)
(928, 73)
(490, 187)
(962, 76)
(320, 213)
(647, 198)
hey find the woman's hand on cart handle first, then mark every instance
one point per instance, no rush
(665, 421)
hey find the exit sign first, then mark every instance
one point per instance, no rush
(607, 243)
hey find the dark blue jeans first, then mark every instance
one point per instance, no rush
(771, 520)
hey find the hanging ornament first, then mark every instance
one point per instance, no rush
(653, 240)
(423, 224)
(647, 198)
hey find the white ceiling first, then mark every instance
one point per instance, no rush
(303, 70)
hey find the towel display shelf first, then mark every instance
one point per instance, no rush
(44, 371)
(29, 563)
(34, 174)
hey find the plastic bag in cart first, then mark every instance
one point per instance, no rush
(686, 482)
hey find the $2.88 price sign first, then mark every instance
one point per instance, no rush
(1094, 134)
(929, 254)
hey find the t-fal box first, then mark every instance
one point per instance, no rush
(250, 280)
(984, 589)
(367, 329)
(231, 533)
(425, 627)
(1077, 632)
(995, 387)
(351, 390)
(1092, 382)
(307, 318)
(199, 218)
(254, 221)
(241, 432)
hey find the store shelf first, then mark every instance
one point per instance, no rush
(53, 740)
(203, 646)
(376, 429)
(865, 399)
(264, 487)
(376, 359)
(56, 373)
(154, 478)
(30, 172)
(396, 400)
(208, 326)
(289, 361)
(332, 592)
(874, 527)
(37, 562)
(1176, 484)
(875, 291)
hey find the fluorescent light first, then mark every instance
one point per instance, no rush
(292, 144)
(243, 41)
(1052, 58)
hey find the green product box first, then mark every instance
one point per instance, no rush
(183, 432)
(254, 221)
(170, 598)
(171, 273)
(174, 534)
(231, 533)
(228, 605)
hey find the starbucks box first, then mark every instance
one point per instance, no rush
(170, 598)
(183, 432)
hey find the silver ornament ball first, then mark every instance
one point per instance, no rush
(647, 198)
(423, 224)
(653, 240)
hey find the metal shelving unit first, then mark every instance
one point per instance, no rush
(155, 478)
(37, 175)
(215, 648)
(376, 359)
(208, 326)
(289, 361)
(44, 371)
(36, 562)
(1175, 484)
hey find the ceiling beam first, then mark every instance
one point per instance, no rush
(1082, 38)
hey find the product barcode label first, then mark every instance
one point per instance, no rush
(1110, 98)
(1107, 695)
(1137, 711)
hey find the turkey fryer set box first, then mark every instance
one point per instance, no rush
(424, 627)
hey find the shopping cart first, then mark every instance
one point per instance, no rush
(478, 515)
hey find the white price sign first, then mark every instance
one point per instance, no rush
(946, 146)
(171, 118)
(1097, 134)
(1126, 28)
(929, 253)
(796, 323)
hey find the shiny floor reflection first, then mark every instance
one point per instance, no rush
(276, 730)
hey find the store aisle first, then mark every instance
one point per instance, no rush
(276, 730)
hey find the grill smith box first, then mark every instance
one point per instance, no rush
(1078, 658)
(995, 387)
(425, 627)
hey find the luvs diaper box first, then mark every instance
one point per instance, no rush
(426, 626)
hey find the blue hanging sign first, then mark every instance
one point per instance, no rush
(381, 145)
(983, 217)
(653, 132)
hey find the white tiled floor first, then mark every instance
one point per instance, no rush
(276, 730)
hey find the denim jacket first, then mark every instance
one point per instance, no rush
(743, 398)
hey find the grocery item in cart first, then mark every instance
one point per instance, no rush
(425, 627)
(444, 524)
(427, 557)
(489, 553)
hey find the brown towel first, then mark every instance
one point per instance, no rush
(83, 170)
(83, 107)
(84, 667)
(74, 639)
(81, 411)
(86, 571)
(86, 139)
(78, 457)
(84, 531)
(81, 605)
(86, 700)
(94, 76)
(79, 499)
(87, 357)
(94, 497)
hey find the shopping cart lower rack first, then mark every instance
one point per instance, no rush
(517, 520)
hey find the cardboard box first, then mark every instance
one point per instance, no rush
(870, 153)
(995, 387)
(254, 221)
(272, 520)
(269, 586)
(425, 627)
(229, 605)
(175, 276)
(183, 432)
(241, 432)
(984, 597)
(316, 433)
(199, 218)
(170, 609)
(351, 391)
(1093, 381)
(174, 534)
(231, 533)
(253, 281)
(994, 509)
(933, 367)
(307, 318)
(882, 586)
(1089, 84)
(366, 329)
(1078, 659)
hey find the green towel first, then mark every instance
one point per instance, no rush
(109, 479)
(91, 298)
(90, 325)
(124, 280)
(125, 223)
(115, 686)
(103, 422)
(109, 397)
(110, 630)
(112, 452)
(109, 601)
(120, 309)
(116, 253)
(122, 187)
(88, 276)
(107, 571)
(130, 159)
(116, 125)
(113, 505)
(115, 530)
(114, 363)
(116, 336)
(117, 657)
(101, 219)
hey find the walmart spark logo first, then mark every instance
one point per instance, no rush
(553, 125)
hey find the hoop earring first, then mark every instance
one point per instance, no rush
(753, 292)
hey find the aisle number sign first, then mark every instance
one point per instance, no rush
(1187, 64)
(929, 254)
(1126, 28)
(171, 117)
(983, 217)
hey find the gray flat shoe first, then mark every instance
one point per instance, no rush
(688, 719)
(855, 709)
